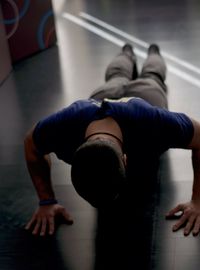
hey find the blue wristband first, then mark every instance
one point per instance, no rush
(47, 202)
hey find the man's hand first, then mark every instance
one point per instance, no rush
(190, 217)
(43, 220)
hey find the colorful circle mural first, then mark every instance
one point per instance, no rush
(18, 14)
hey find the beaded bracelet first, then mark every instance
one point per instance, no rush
(47, 202)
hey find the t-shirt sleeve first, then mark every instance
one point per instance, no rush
(171, 129)
(62, 131)
(154, 127)
(49, 132)
(44, 135)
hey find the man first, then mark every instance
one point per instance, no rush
(112, 139)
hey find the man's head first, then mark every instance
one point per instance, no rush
(98, 171)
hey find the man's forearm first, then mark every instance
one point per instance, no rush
(196, 168)
(40, 170)
(41, 176)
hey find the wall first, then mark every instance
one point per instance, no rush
(29, 25)
(5, 63)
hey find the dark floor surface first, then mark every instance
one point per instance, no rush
(134, 234)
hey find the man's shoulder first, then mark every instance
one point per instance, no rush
(76, 108)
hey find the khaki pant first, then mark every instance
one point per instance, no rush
(122, 80)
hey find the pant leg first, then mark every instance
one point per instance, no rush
(154, 67)
(150, 85)
(118, 73)
(123, 65)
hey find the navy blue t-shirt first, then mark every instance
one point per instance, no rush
(147, 131)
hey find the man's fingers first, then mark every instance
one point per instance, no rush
(175, 210)
(51, 225)
(181, 222)
(67, 217)
(30, 223)
(41, 226)
(43, 221)
(190, 218)
(196, 228)
(37, 227)
(189, 225)
(44, 226)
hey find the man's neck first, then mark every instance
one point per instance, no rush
(106, 125)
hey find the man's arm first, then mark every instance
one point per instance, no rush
(191, 210)
(195, 146)
(40, 171)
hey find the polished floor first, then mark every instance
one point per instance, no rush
(134, 234)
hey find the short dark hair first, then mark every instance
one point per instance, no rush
(98, 172)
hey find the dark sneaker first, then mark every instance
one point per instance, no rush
(153, 48)
(128, 49)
